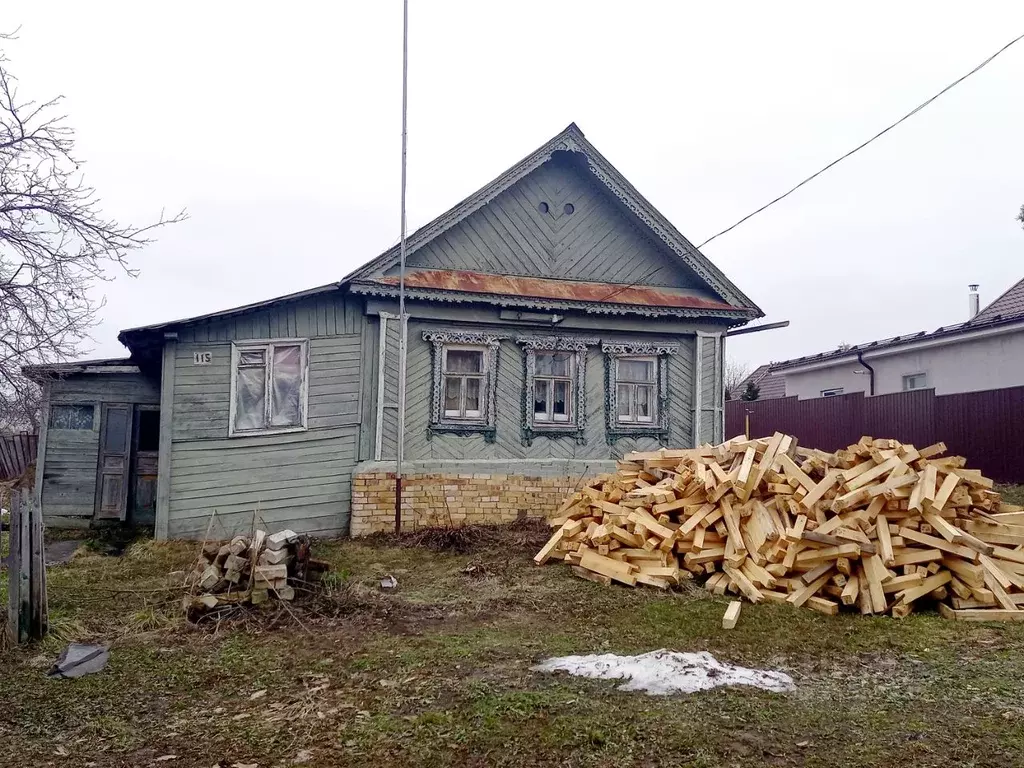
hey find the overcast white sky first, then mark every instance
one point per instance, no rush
(278, 127)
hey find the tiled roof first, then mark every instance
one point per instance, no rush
(1010, 304)
(770, 386)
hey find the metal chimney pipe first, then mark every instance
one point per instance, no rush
(973, 301)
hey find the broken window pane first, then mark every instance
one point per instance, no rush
(464, 361)
(286, 388)
(250, 398)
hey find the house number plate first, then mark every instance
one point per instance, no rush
(202, 358)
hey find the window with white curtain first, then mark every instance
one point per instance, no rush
(553, 388)
(636, 384)
(268, 387)
(464, 374)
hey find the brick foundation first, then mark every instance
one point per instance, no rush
(457, 498)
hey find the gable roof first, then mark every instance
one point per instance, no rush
(572, 140)
(370, 279)
(1010, 304)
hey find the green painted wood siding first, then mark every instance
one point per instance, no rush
(71, 455)
(597, 241)
(420, 445)
(299, 480)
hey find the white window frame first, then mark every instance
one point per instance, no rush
(462, 416)
(832, 392)
(922, 375)
(549, 418)
(267, 346)
(632, 419)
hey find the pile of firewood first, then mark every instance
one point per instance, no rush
(251, 570)
(880, 527)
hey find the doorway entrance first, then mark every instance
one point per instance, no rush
(128, 456)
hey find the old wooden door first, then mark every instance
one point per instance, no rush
(115, 455)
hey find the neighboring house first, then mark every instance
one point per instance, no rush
(769, 386)
(986, 352)
(556, 320)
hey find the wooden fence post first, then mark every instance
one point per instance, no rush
(26, 571)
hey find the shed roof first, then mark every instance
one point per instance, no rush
(46, 371)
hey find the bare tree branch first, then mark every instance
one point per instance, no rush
(735, 373)
(55, 245)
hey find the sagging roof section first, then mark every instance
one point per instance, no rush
(40, 373)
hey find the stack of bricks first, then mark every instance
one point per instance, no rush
(454, 499)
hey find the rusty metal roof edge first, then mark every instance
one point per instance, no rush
(369, 287)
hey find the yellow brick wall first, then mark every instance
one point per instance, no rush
(453, 499)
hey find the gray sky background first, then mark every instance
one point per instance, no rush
(277, 127)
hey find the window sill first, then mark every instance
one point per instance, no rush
(635, 430)
(265, 432)
(553, 431)
(490, 433)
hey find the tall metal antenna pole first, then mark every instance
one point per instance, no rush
(402, 320)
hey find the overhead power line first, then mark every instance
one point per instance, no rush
(858, 148)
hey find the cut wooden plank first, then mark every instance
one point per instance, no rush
(945, 490)
(615, 569)
(747, 587)
(732, 614)
(802, 595)
(793, 471)
(850, 590)
(823, 605)
(598, 578)
(934, 542)
(548, 549)
(874, 572)
(873, 474)
(884, 541)
(912, 556)
(829, 482)
(980, 614)
(931, 583)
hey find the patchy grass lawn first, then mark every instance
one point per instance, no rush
(439, 674)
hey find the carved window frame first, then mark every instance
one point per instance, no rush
(613, 352)
(578, 391)
(490, 343)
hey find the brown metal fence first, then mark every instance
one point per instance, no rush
(986, 427)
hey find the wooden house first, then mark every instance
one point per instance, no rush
(555, 321)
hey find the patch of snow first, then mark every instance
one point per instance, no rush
(664, 672)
